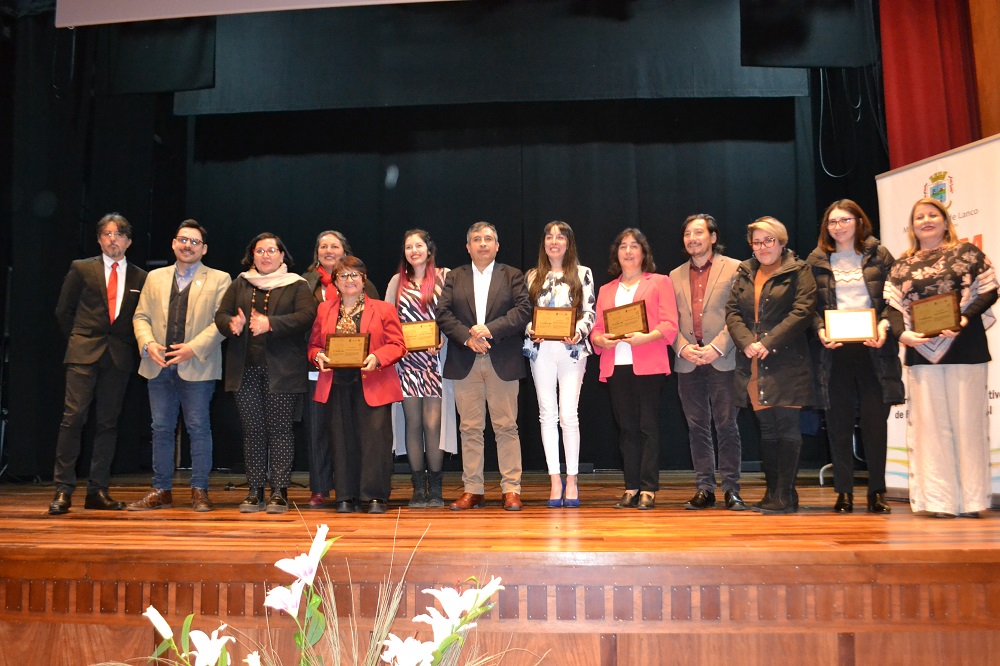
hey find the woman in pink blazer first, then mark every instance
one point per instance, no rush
(636, 365)
(358, 400)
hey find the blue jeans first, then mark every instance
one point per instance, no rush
(168, 394)
(709, 396)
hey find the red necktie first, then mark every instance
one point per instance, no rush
(113, 290)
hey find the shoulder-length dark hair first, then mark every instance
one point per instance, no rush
(648, 265)
(570, 264)
(329, 232)
(248, 257)
(862, 226)
(406, 270)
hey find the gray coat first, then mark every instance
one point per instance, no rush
(787, 308)
(875, 263)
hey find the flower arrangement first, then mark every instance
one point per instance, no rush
(305, 599)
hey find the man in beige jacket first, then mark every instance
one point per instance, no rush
(182, 359)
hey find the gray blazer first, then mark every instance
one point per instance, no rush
(150, 321)
(713, 316)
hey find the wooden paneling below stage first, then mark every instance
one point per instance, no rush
(590, 586)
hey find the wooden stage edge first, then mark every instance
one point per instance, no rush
(594, 585)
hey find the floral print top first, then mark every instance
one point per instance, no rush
(555, 294)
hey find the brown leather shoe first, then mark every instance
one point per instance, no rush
(512, 502)
(200, 501)
(468, 501)
(157, 499)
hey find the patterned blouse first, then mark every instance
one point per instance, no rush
(963, 268)
(555, 294)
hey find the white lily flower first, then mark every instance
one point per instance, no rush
(305, 566)
(455, 605)
(441, 625)
(208, 649)
(286, 598)
(408, 652)
(159, 623)
(476, 598)
(253, 659)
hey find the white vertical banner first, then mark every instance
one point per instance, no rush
(967, 181)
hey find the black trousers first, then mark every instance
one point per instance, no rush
(361, 438)
(853, 384)
(106, 383)
(635, 402)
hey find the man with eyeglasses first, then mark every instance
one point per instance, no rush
(181, 355)
(95, 309)
(706, 362)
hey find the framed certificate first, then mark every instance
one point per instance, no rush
(850, 325)
(554, 323)
(934, 314)
(346, 350)
(421, 335)
(625, 319)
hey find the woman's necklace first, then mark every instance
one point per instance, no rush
(629, 287)
(253, 300)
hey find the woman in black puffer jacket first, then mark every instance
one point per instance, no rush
(850, 267)
(769, 315)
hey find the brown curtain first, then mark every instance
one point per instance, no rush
(929, 78)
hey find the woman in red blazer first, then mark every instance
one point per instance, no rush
(358, 400)
(636, 365)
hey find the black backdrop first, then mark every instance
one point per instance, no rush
(603, 114)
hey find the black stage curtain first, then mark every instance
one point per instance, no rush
(633, 118)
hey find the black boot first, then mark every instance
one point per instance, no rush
(434, 497)
(278, 502)
(419, 499)
(767, 466)
(253, 502)
(786, 463)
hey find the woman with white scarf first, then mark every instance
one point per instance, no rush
(947, 428)
(265, 313)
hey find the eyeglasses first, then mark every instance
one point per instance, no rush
(767, 242)
(840, 222)
(261, 251)
(185, 240)
(117, 235)
(349, 276)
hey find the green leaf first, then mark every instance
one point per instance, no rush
(160, 649)
(185, 633)
(315, 628)
(223, 657)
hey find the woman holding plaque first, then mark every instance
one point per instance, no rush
(635, 363)
(947, 430)
(850, 268)
(331, 247)
(769, 315)
(558, 365)
(421, 427)
(265, 313)
(359, 390)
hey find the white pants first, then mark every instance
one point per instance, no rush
(558, 378)
(948, 438)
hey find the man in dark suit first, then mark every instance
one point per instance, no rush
(484, 309)
(95, 309)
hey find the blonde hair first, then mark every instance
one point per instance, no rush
(950, 232)
(771, 226)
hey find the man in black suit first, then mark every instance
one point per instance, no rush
(484, 309)
(95, 309)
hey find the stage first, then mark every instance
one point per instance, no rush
(593, 585)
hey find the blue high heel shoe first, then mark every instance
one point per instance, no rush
(558, 503)
(571, 503)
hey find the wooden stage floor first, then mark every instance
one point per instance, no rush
(593, 585)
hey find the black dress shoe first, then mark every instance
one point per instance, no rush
(628, 501)
(346, 506)
(376, 506)
(278, 502)
(703, 499)
(253, 502)
(734, 502)
(877, 503)
(844, 503)
(647, 500)
(100, 500)
(60, 503)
